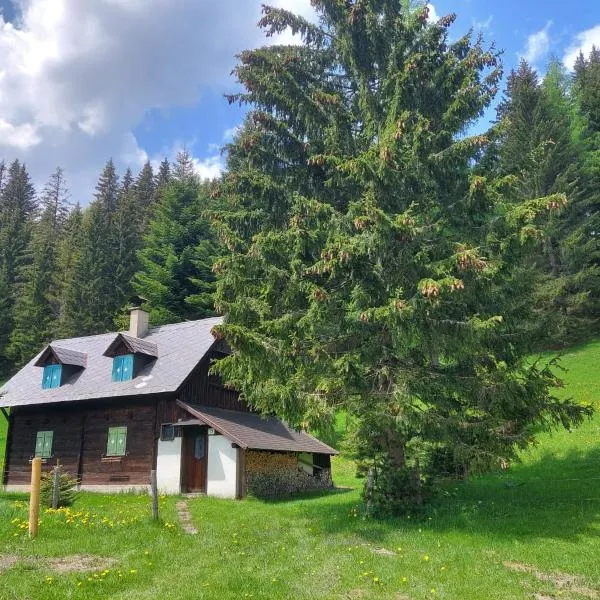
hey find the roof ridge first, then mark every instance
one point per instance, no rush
(126, 332)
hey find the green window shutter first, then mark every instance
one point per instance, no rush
(117, 441)
(39, 443)
(43, 444)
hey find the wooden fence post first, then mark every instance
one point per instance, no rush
(154, 491)
(34, 497)
(56, 486)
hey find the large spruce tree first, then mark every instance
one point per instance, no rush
(369, 269)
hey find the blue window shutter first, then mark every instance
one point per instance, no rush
(47, 377)
(127, 367)
(117, 368)
(122, 368)
(52, 377)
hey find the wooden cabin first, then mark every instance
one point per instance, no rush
(112, 407)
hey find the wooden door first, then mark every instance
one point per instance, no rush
(194, 458)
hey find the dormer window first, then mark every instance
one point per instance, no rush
(122, 368)
(130, 356)
(52, 377)
(59, 364)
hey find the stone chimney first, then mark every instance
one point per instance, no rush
(138, 321)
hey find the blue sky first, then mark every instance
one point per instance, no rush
(85, 80)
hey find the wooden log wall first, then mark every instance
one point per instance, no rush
(208, 390)
(80, 435)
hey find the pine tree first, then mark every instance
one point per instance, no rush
(184, 170)
(583, 254)
(369, 268)
(97, 278)
(36, 306)
(145, 189)
(177, 256)
(68, 256)
(17, 211)
(128, 225)
(162, 179)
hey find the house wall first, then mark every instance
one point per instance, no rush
(79, 442)
(222, 467)
(168, 466)
(207, 390)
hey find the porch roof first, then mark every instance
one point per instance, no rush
(253, 432)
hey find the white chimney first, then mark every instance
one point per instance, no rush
(138, 322)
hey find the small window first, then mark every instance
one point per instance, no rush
(167, 432)
(43, 444)
(199, 446)
(117, 441)
(122, 368)
(51, 376)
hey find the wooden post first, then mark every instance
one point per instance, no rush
(56, 486)
(154, 491)
(34, 498)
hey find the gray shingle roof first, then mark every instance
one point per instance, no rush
(180, 347)
(63, 355)
(253, 432)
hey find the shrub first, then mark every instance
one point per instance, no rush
(67, 488)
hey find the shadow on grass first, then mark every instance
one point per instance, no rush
(14, 496)
(553, 498)
(307, 495)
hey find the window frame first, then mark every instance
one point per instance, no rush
(113, 441)
(43, 436)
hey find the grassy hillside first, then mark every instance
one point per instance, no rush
(532, 532)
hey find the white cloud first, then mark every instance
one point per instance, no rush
(78, 76)
(583, 42)
(483, 25)
(209, 168)
(433, 15)
(538, 45)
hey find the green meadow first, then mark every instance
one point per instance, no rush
(531, 532)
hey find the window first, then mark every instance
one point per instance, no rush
(167, 432)
(43, 444)
(51, 377)
(199, 445)
(122, 368)
(117, 441)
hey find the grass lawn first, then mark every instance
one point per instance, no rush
(532, 532)
(3, 425)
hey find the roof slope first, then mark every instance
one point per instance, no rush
(180, 348)
(253, 432)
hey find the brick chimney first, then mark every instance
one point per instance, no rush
(138, 320)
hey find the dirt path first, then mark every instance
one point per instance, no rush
(185, 518)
